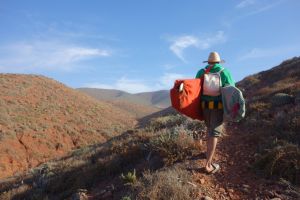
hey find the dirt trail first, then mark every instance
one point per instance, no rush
(235, 180)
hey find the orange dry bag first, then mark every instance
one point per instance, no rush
(185, 97)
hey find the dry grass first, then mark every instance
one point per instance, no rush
(173, 145)
(122, 154)
(169, 184)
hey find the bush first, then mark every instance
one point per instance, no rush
(169, 121)
(173, 145)
(129, 178)
(165, 185)
(282, 162)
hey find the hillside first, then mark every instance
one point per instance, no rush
(273, 120)
(259, 156)
(159, 99)
(137, 110)
(282, 78)
(41, 119)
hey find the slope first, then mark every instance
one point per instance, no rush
(41, 119)
(159, 99)
(259, 156)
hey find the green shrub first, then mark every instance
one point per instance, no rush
(126, 198)
(282, 161)
(280, 99)
(129, 178)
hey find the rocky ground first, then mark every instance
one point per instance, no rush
(235, 180)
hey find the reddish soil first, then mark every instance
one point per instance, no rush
(235, 180)
(42, 119)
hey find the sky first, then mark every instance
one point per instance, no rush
(144, 45)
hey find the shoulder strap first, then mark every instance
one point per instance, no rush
(219, 72)
(208, 69)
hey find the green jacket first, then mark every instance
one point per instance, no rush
(225, 77)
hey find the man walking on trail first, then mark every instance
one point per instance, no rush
(214, 77)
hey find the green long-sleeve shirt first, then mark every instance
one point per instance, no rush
(226, 79)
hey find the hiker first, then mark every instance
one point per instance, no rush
(214, 77)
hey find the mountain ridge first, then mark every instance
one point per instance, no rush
(159, 99)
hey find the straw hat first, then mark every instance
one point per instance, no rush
(214, 57)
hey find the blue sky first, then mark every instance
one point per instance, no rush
(139, 45)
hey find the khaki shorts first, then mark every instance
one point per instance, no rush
(213, 119)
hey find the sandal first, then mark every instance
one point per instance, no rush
(216, 168)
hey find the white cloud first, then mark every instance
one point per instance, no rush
(264, 7)
(245, 3)
(167, 80)
(257, 7)
(179, 44)
(164, 82)
(49, 55)
(124, 84)
(182, 43)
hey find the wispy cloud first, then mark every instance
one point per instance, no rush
(245, 3)
(179, 44)
(167, 80)
(264, 7)
(250, 8)
(124, 84)
(168, 66)
(164, 82)
(257, 53)
(46, 55)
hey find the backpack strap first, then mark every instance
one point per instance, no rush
(219, 72)
(206, 71)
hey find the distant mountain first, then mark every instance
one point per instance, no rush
(41, 119)
(159, 99)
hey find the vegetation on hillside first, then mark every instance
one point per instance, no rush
(156, 161)
(165, 141)
(273, 119)
(41, 119)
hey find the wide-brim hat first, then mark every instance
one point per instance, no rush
(214, 57)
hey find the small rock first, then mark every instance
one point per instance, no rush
(102, 192)
(79, 196)
(293, 193)
(202, 181)
(207, 198)
(246, 190)
(275, 198)
(222, 190)
(107, 195)
(245, 186)
(230, 190)
(269, 193)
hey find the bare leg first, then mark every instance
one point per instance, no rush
(211, 147)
